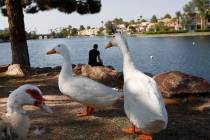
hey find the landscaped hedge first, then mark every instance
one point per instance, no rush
(206, 30)
(4, 36)
(166, 32)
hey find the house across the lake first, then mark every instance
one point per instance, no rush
(89, 32)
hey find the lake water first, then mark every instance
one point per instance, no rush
(169, 53)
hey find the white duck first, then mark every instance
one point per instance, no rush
(143, 102)
(16, 123)
(82, 89)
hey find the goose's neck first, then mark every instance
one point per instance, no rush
(15, 109)
(66, 71)
(128, 64)
(18, 118)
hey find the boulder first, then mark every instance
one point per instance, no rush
(175, 83)
(12, 70)
(105, 75)
(15, 70)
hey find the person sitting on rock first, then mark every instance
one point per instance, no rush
(94, 57)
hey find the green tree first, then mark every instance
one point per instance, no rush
(126, 24)
(102, 24)
(74, 31)
(167, 16)
(69, 29)
(81, 27)
(132, 22)
(203, 7)
(154, 19)
(100, 32)
(13, 9)
(143, 20)
(132, 29)
(189, 11)
(109, 27)
(160, 27)
(65, 32)
(118, 21)
(139, 20)
(196, 8)
(189, 8)
(52, 33)
(88, 27)
(32, 35)
(4, 35)
(178, 17)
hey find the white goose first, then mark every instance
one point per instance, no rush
(16, 123)
(82, 89)
(143, 102)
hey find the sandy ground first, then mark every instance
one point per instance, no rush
(188, 118)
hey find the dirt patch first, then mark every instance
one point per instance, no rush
(186, 122)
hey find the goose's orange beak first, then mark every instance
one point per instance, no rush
(109, 45)
(53, 51)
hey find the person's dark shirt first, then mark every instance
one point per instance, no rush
(93, 54)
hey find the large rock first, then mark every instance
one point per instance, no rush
(175, 83)
(105, 75)
(13, 70)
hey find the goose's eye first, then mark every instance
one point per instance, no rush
(113, 36)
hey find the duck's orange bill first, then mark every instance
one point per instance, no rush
(53, 51)
(109, 45)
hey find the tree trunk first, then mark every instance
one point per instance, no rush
(19, 47)
(205, 23)
(202, 23)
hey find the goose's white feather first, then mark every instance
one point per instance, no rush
(89, 92)
(143, 102)
(83, 89)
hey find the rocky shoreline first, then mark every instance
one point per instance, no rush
(171, 84)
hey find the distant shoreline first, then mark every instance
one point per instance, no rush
(189, 34)
(175, 34)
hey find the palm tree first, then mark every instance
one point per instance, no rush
(167, 16)
(140, 19)
(154, 19)
(178, 16)
(102, 24)
(189, 12)
(81, 27)
(189, 8)
(198, 8)
(203, 10)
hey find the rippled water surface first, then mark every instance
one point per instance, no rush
(169, 53)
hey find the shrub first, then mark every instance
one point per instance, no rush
(206, 30)
(4, 36)
(166, 32)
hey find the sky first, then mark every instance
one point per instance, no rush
(126, 9)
